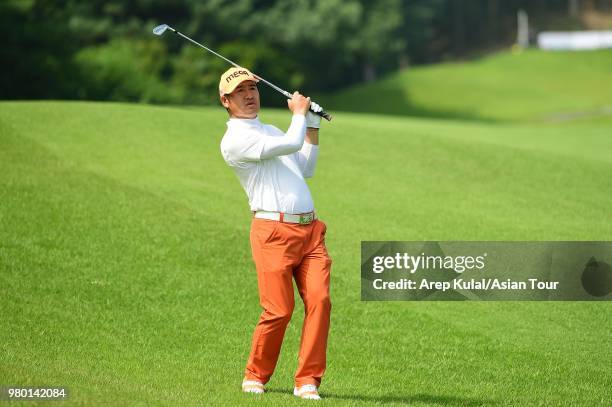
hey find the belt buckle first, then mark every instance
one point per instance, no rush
(306, 219)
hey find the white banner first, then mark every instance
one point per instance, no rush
(575, 40)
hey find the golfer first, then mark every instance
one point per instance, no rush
(287, 239)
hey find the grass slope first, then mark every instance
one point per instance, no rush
(528, 86)
(125, 271)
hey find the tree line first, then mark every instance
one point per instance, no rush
(104, 49)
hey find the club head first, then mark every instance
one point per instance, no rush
(160, 29)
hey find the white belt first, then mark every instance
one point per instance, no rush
(301, 218)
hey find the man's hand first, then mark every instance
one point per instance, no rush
(313, 120)
(298, 104)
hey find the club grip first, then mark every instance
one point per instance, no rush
(323, 114)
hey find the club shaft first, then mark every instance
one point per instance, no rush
(283, 92)
(270, 84)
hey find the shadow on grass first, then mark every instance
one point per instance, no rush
(388, 98)
(402, 398)
(409, 110)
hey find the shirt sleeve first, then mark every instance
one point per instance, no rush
(256, 146)
(290, 143)
(307, 159)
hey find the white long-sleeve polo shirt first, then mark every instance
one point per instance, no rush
(271, 165)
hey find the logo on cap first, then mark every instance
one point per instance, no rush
(235, 75)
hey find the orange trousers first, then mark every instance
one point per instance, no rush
(283, 252)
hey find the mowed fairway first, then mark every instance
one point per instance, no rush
(532, 85)
(125, 269)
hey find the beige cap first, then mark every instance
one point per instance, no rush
(234, 77)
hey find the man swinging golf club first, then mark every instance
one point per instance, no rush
(287, 240)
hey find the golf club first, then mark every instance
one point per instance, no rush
(160, 29)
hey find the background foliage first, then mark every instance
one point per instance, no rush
(104, 49)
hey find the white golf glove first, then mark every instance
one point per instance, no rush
(313, 120)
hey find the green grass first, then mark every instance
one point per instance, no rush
(125, 270)
(527, 86)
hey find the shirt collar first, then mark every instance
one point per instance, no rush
(236, 122)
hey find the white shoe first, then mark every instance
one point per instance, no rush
(307, 391)
(252, 386)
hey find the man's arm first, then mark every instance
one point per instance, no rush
(307, 156)
(290, 143)
(312, 136)
(255, 146)
(294, 138)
